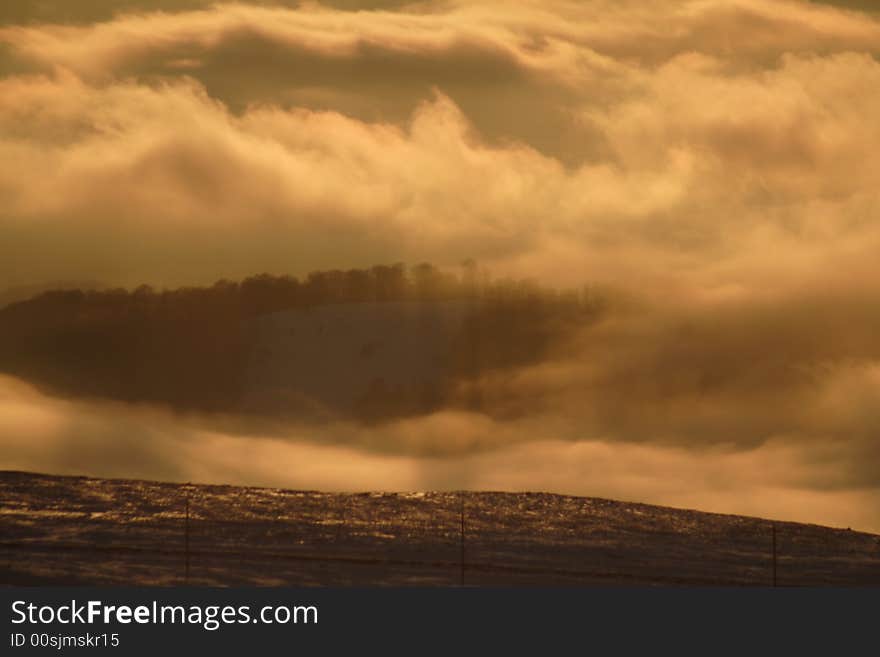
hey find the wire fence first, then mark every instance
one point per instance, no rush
(94, 531)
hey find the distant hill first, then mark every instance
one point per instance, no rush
(373, 343)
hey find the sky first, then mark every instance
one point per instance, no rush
(716, 159)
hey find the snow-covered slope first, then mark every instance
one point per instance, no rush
(337, 356)
(81, 530)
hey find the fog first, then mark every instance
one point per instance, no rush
(775, 479)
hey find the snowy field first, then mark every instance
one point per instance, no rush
(334, 355)
(74, 530)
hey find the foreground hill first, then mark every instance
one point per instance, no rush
(78, 530)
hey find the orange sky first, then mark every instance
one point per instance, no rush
(711, 145)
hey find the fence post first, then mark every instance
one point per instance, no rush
(774, 554)
(461, 518)
(341, 519)
(186, 538)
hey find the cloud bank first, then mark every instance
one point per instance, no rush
(703, 144)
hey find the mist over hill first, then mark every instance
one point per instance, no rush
(423, 378)
(369, 343)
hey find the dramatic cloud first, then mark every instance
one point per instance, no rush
(184, 146)
(715, 160)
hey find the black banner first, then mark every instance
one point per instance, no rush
(147, 621)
